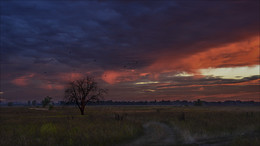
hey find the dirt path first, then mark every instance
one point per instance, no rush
(160, 134)
(155, 134)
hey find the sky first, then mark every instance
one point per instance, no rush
(138, 50)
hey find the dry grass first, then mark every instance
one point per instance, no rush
(64, 126)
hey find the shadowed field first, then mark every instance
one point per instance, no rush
(130, 125)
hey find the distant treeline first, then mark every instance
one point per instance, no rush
(162, 102)
(168, 102)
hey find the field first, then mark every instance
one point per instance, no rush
(130, 125)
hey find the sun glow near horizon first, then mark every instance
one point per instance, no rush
(231, 72)
(226, 72)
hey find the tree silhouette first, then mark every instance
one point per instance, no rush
(34, 102)
(46, 101)
(83, 91)
(198, 103)
(29, 103)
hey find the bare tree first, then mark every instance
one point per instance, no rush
(83, 91)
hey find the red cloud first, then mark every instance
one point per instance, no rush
(43, 82)
(244, 53)
(23, 80)
(113, 77)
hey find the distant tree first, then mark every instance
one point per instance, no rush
(46, 101)
(34, 102)
(83, 91)
(29, 103)
(198, 103)
(10, 104)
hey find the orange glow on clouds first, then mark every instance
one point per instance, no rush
(23, 80)
(244, 53)
(113, 77)
(40, 81)
(238, 54)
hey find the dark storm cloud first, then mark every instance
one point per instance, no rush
(53, 37)
(112, 32)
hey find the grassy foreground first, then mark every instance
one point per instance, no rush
(64, 125)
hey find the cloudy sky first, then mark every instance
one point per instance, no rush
(139, 50)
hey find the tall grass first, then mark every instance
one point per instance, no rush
(204, 123)
(21, 126)
(64, 126)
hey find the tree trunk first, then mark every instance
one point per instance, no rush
(82, 111)
(82, 107)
